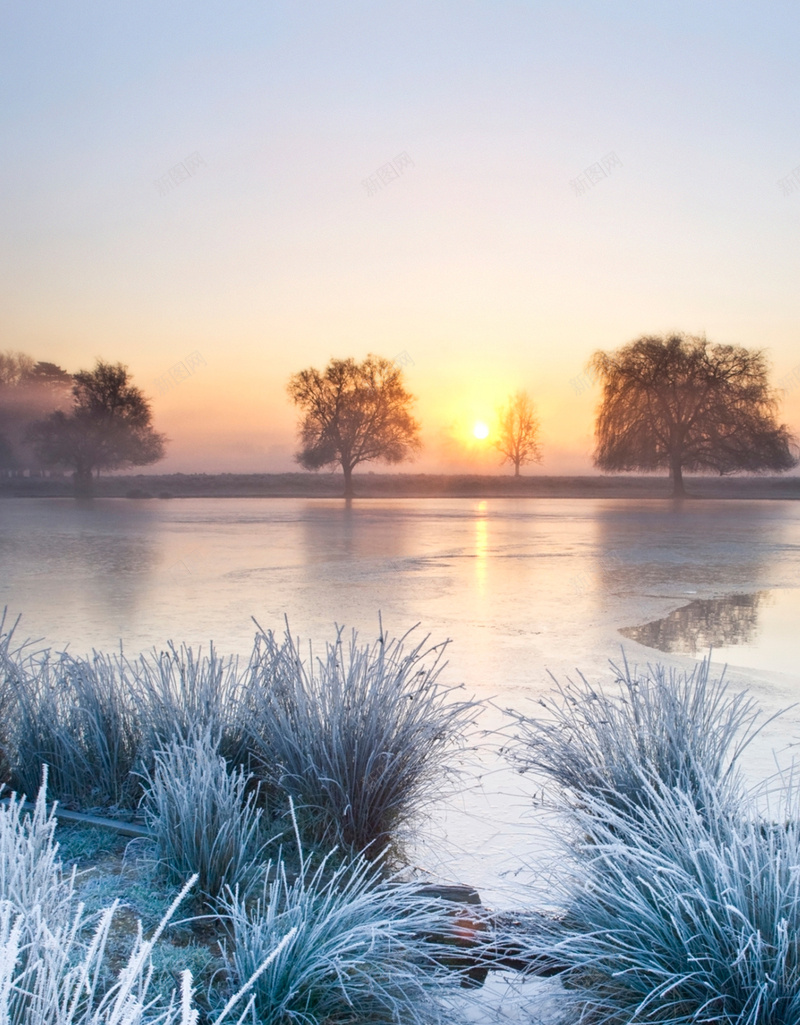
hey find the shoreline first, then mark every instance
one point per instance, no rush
(390, 486)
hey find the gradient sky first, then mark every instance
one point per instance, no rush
(478, 262)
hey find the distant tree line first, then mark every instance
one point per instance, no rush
(675, 402)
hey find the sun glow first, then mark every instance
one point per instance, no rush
(481, 430)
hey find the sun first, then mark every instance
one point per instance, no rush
(480, 430)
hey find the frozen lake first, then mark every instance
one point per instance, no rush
(520, 586)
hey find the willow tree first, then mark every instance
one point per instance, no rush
(682, 404)
(353, 413)
(518, 431)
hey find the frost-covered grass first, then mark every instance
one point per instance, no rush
(670, 727)
(670, 915)
(361, 951)
(327, 945)
(180, 692)
(186, 732)
(676, 900)
(31, 874)
(204, 817)
(358, 738)
(60, 964)
(52, 975)
(77, 716)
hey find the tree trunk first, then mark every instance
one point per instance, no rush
(676, 473)
(348, 480)
(82, 482)
(516, 467)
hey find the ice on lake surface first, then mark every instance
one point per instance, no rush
(522, 587)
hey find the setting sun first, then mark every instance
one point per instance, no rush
(481, 430)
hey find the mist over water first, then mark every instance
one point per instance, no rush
(521, 587)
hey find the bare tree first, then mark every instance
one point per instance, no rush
(108, 428)
(518, 431)
(353, 413)
(681, 403)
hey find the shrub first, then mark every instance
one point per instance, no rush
(203, 819)
(357, 741)
(671, 728)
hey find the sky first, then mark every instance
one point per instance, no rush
(221, 194)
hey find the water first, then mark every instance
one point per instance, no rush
(522, 587)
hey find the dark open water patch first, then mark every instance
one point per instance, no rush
(757, 630)
(703, 624)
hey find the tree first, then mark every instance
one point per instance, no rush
(48, 376)
(353, 413)
(14, 367)
(108, 427)
(518, 431)
(28, 392)
(682, 403)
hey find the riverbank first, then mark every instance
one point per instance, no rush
(401, 485)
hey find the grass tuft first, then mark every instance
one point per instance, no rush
(75, 715)
(358, 738)
(204, 816)
(679, 917)
(674, 729)
(359, 951)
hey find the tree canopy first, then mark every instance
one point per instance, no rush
(681, 403)
(108, 428)
(353, 413)
(518, 431)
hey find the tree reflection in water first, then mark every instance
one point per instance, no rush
(703, 624)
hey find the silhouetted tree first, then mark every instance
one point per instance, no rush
(108, 427)
(28, 392)
(48, 375)
(518, 431)
(353, 413)
(684, 404)
(14, 366)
